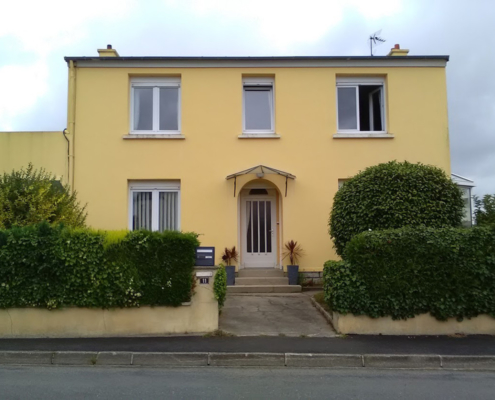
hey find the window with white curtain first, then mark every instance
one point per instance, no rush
(258, 108)
(155, 105)
(154, 206)
(360, 104)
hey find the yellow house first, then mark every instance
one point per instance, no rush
(245, 151)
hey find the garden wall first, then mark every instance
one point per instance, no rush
(198, 316)
(423, 324)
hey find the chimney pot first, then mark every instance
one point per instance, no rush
(397, 51)
(395, 47)
(109, 46)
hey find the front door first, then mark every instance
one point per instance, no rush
(259, 242)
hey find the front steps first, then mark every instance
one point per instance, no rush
(262, 280)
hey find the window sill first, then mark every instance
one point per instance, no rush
(363, 135)
(153, 136)
(259, 136)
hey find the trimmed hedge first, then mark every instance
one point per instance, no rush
(394, 195)
(47, 266)
(401, 273)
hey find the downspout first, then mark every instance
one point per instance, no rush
(71, 123)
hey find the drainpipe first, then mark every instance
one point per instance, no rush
(71, 123)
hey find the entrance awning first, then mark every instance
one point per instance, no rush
(260, 171)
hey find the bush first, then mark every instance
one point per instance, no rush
(52, 266)
(484, 210)
(409, 271)
(220, 286)
(164, 261)
(29, 197)
(394, 195)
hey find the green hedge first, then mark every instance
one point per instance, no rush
(220, 286)
(404, 272)
(47, 266)
(394, 195)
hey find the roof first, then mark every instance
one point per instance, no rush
(462, 181)
(262, 169)
(283, 61)
(246, 58)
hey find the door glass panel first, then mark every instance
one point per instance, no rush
(141, 210)
(268, 226)
(168, 211)
(255, 227)
(347, 110)
(249, 234)
(262, 227)
(143, 109)
(169, 109)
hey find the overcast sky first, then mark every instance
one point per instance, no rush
(36, 35)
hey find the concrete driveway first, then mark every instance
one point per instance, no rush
(273, 315)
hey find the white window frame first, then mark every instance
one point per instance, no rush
(155, 187)
(355, 82)
(261, 82)
(156, 84)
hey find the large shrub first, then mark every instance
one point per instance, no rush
(29, 197)
(394, 195)
(52, 266)
(404, 272)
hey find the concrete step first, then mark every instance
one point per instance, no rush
(262, 281)
(260, 272)
(263, 289)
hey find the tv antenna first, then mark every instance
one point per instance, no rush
(375, 40)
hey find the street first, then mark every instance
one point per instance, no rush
(241, 383)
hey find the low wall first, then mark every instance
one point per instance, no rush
(198, 316)
(423, 324)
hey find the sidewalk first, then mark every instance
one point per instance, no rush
(474, 352)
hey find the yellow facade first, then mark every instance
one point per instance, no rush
(43, 149)
(211, 121)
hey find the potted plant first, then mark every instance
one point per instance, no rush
(294, 251)
(228, 257)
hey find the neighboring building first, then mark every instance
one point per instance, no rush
(245, 151)
(466, 186)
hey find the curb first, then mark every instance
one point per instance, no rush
(295, 360)
(323, 312)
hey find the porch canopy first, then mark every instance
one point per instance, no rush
(260, 171)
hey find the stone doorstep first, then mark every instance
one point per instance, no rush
(250, 359)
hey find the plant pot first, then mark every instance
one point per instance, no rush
(293, 274)
(230, 269)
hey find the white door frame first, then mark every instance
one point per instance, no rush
(266, 260)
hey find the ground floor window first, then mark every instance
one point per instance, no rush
(154, 206)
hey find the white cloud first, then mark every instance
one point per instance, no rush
(22, 87)
(289, 22)
(42, 26)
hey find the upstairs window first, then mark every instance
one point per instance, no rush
(155, 105)
(258, 113)
(360, 105)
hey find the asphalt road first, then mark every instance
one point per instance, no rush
(241, 383)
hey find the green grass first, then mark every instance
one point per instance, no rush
(320, 299)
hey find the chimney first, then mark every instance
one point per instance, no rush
(397, 51)
(108, 52)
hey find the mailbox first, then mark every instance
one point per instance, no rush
(205, 256)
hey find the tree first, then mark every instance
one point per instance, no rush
(29, 196)
(484, 209)
(393, 195)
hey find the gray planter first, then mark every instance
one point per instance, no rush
(293, 274)
(230, 269)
